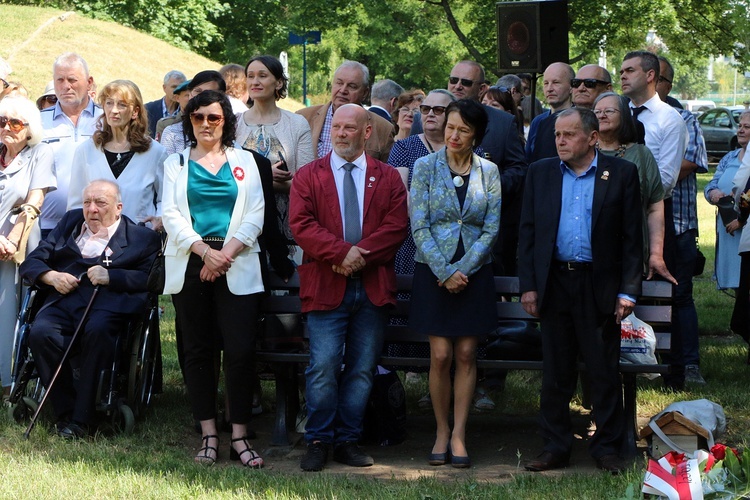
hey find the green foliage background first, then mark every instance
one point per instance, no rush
(417, 41)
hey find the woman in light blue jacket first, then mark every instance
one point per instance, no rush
(455, 218)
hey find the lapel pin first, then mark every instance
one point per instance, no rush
(369, 185)
(605, 175)
(372, 179)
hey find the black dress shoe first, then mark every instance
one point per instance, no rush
(611, 464)
(547, 461)
(315, 458)
(73, 431)
(349, 453)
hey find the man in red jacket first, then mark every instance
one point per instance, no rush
(348, 213)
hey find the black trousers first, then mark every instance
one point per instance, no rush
(210, 316)
(572, 325)
(95, 350)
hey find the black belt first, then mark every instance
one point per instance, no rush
(572, 266)
(355, 276)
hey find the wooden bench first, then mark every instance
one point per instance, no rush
(284, 345)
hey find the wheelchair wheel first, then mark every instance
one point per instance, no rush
(123, 420)
(22, 411)
(142, 365)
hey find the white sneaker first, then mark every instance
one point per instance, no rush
(693, 375)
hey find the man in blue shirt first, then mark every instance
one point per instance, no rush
(580, 276)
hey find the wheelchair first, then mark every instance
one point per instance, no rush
(125, 389)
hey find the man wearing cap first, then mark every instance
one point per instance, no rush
(173, 138)
(181, 96)
(167, 105)
(48, 97)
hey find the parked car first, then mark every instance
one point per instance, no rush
(719, 127)
(697, 105)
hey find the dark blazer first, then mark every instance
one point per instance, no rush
(133, 251)
(154, 111)
(380, 112)
(615, 229)
(315, 220)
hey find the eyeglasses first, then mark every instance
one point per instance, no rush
(407, 110)
(589, 83)
(662, 79)
(606, 111)
(14, 124)
(464, 81)
(212, 119)
(437, 110)
(5, 84)
(51, 99)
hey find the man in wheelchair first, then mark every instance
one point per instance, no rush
(93, 247)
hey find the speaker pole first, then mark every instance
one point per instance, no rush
(532, 115)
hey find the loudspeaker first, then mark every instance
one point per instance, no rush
(531, 35)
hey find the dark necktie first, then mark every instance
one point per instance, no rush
(640, 130)
(352, 229)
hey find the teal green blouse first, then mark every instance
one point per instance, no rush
(211, 199)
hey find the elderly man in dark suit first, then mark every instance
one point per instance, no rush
(580, 263)
(90, 247)
(347, 211)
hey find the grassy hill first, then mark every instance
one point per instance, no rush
(33, 37)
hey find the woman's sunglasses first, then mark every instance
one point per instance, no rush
(14, 124)
(212, 119)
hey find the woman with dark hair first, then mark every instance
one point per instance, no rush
(501, 98)
(280, 135)
(455, 219)
(213, 214)
(617, 137)
(121, 151)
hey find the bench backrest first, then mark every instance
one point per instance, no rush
(654, 305)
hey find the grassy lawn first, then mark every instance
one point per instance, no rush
(155, 461)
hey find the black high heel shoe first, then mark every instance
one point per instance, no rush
(203, 457)
(255, 461)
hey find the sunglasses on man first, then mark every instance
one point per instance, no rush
(14, 124)
(465, 82)
(589, 83)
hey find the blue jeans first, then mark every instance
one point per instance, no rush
(336, 399)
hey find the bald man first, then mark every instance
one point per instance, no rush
(347, 211)
(590, 81)
(557, 93)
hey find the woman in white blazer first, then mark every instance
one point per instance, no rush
(122, 152)
(213, 214)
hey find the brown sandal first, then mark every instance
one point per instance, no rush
(203, 457)
(254, 462)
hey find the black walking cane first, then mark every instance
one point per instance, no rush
(62, 362)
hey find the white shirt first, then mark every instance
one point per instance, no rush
(358, 174)
(64, 137)
(666, 137)
(93, 244)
